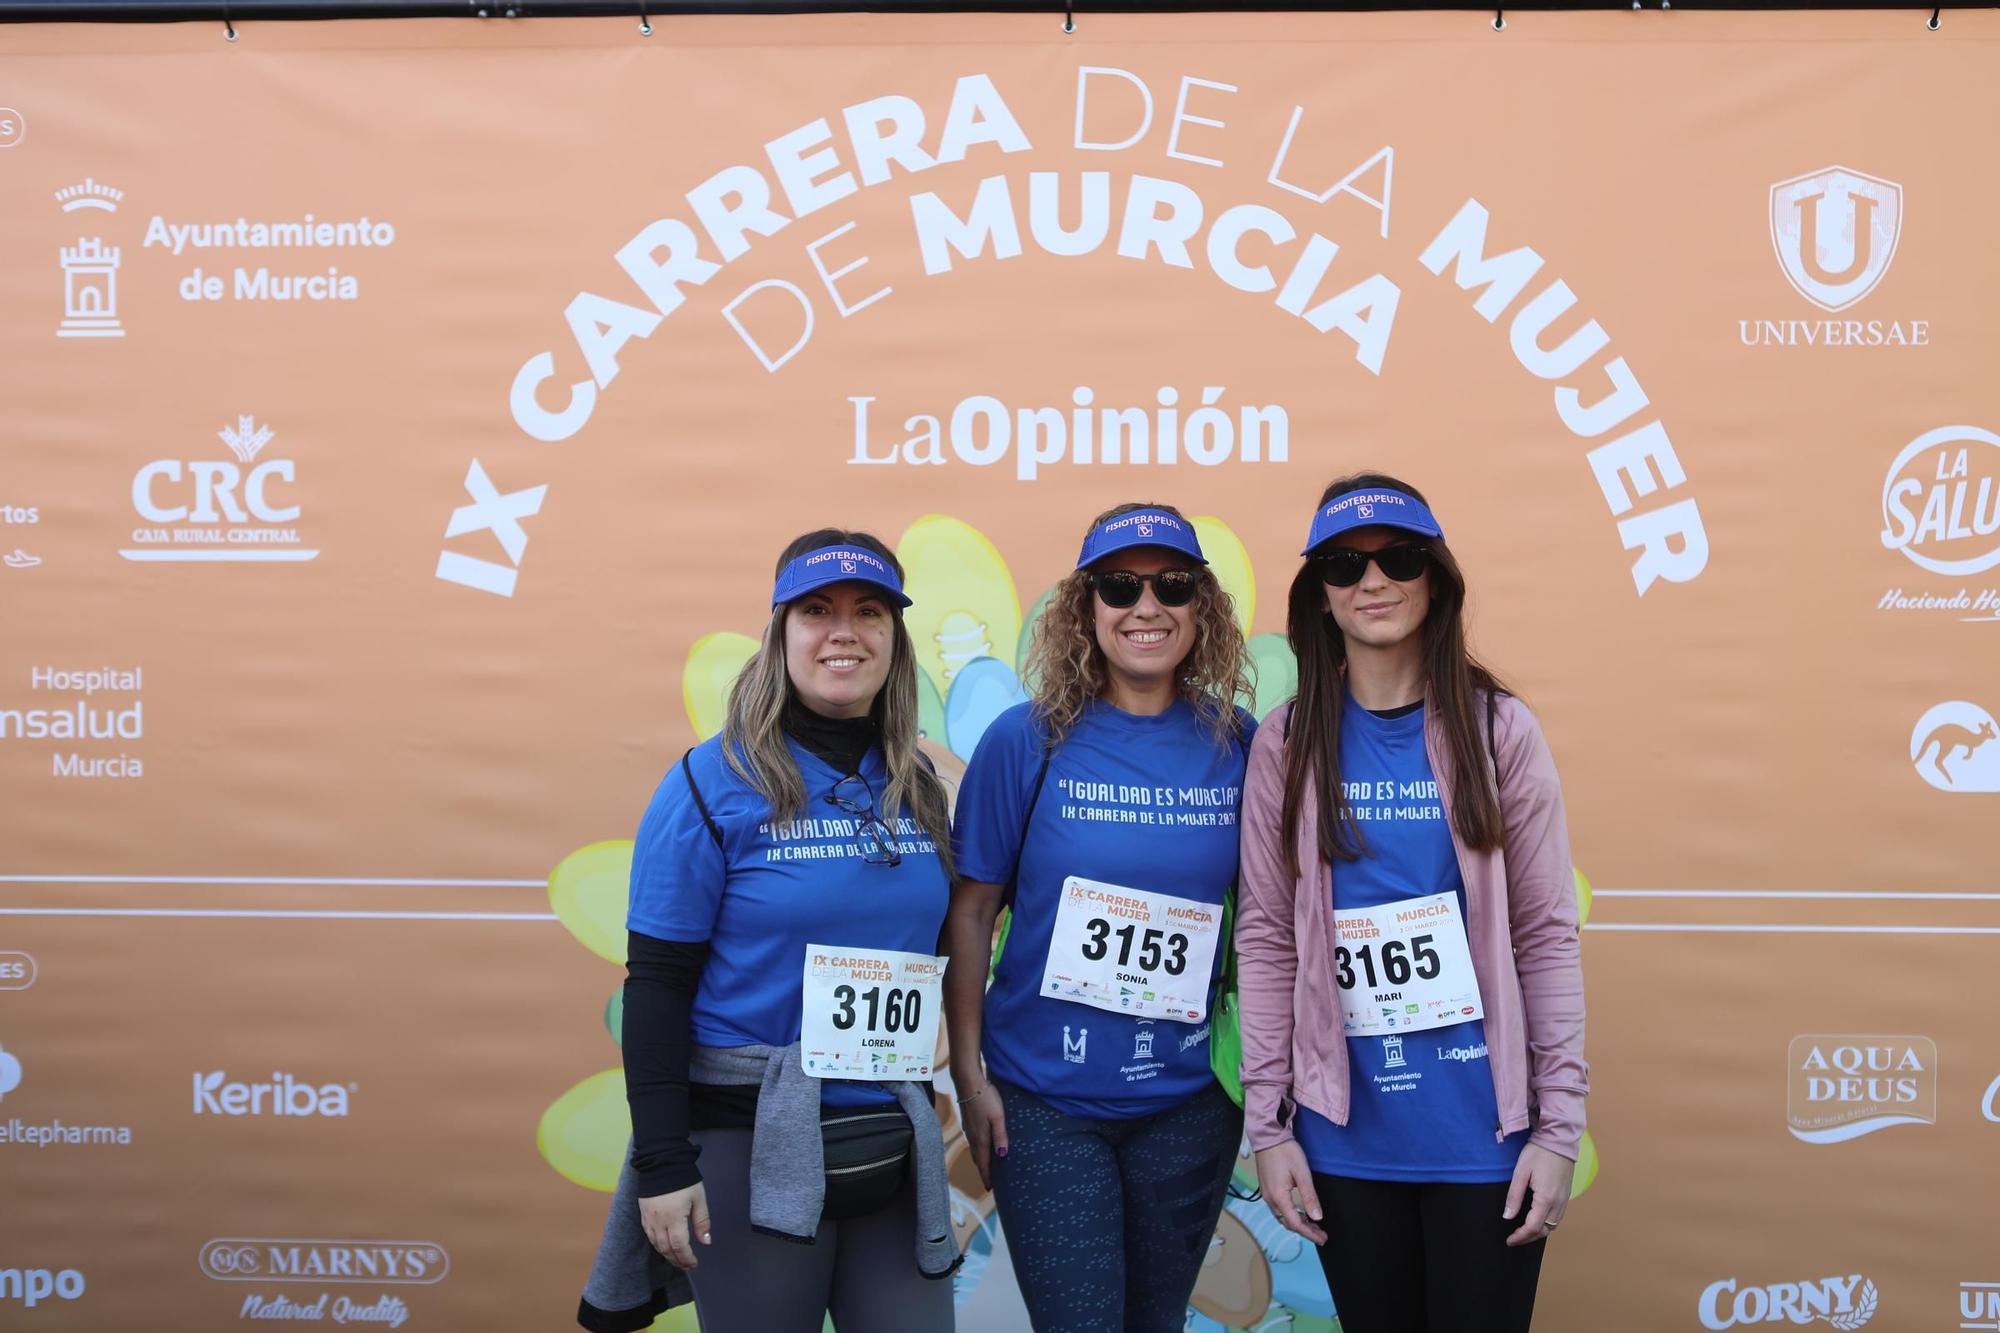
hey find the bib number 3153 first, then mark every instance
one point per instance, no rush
(1132, 951)
(869, 1013)
(1404, 967)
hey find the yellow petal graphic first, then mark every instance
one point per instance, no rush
(1582, 897)
(1586, 1166)
(1230, 564)
(965, 603)
(584, 1132)
(589, 892)
(712, 666)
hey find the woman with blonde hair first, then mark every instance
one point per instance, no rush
(1103, 812)
(809, 834)
(1409, 978)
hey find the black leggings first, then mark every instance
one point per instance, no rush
(1405, 1258)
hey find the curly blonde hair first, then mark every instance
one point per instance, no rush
(1066, 668)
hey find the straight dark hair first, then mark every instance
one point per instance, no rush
(1455, 690)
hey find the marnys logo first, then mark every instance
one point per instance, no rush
(1835, 232)
(284, 1095)
(264, 1259)
(212, 510)
(1952, 747)
(1845, 1086)
(1844, 1302)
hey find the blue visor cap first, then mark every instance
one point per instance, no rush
(836, 564)
(1142, 527)
(1370, 509)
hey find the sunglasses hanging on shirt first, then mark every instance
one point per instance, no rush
(1342, 567)
(1118, 588)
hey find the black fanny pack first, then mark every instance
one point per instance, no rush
(867, 1156)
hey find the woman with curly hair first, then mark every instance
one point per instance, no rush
(1103, 812)
(1410, 986)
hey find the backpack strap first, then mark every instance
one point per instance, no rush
(1034, 799)
(687, 773)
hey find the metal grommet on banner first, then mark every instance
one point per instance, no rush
(228, 28)
(1069, 15)
(645, 23)
(1933, 24)
(1499, 19)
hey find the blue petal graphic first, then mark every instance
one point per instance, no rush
(983, 689)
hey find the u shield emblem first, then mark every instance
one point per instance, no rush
(1835, 231)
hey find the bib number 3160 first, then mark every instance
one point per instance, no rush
(869, 1013)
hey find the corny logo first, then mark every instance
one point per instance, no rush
(1835, 231)
(1844, 1302)
(1845, 1086)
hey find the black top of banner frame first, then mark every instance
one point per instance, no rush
(225, 11)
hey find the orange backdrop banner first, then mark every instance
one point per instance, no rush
(402, 420)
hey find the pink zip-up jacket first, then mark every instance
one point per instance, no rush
(1521, 923)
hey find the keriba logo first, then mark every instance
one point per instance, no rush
(285, 1094)
(1835, 231)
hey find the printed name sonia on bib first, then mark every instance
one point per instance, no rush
(1132, 951)
(1404, 967)
(869, 1013)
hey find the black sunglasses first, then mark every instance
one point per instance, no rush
(875, 838)
(1342, 567)
(1118, 588)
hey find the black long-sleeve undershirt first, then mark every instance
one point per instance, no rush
(661, 977)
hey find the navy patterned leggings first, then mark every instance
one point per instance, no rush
(1107, 1221)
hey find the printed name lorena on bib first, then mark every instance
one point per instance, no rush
(1404, 967)
(869, 1013)
(1132, 951)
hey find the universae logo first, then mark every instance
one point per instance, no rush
(1835, 231)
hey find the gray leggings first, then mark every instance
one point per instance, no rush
(863, 1271)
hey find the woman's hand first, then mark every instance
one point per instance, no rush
(1287, 1184)
(667, 1219)
(984, 1121)
(1545, 1176)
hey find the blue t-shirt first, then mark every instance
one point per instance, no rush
(1422, 1106)
(1147, 802)
(767, 892)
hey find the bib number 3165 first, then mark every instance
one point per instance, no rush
(1404, 967)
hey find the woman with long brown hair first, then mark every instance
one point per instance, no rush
(1409, 977)
(788, 885)
(1105, 811)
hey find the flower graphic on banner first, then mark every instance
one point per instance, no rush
(972, 641)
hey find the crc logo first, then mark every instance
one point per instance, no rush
(215, 510)
(284, 1095)
(1941, 501)
(263, 1259)
(1842, 1087)
(1844, 1302)
(1835, 231)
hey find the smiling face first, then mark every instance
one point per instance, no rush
(1143, 644)
(1379, 612)
(838, 644)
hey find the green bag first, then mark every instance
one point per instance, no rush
(1225, 1024)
